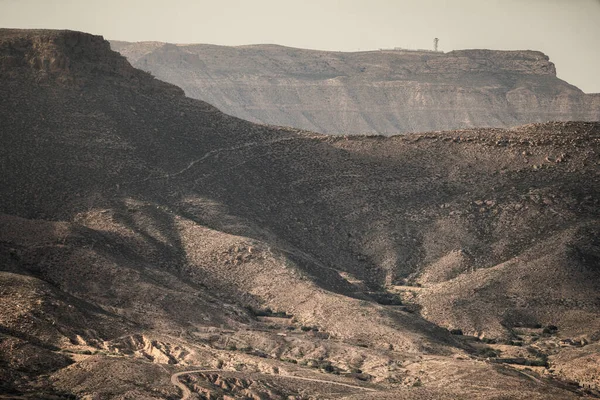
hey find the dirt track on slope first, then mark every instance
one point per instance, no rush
(186, 393)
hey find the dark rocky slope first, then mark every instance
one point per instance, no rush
(385, 92)
(140, 225)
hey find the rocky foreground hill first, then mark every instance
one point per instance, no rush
(145, 234)
(386, 92)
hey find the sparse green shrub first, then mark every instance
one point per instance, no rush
(254, 312)
(281, 314)
(387, 299)
(550, 330)
(267, 312)
(259, 353)
(304, 328)
(542, 359)
(328, 368)
(78, 351)
(239, 366)
(361, 376)
(487, 352)
(538, 363)
(533, 351)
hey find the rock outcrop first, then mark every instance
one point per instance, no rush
(385, 92)
(69, 57)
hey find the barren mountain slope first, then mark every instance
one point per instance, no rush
(143, 233)
(386, 92)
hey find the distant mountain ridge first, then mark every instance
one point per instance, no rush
(385, 92)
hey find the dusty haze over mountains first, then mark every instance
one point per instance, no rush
(385, 92)
(567, 31)
(153, 247)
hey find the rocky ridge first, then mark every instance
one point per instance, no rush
(386, 92)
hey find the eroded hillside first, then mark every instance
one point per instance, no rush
(386, 92)
(144, 233)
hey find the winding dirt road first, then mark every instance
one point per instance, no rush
(186, 393)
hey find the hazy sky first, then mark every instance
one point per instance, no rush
(566, 30)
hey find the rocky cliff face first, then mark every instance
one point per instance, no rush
(384, 92)
(69, 57)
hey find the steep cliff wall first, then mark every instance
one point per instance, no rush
(378, 91)
(69, 57)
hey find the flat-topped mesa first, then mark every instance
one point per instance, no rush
(518, 61)
(384, 91)
(68, 57)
